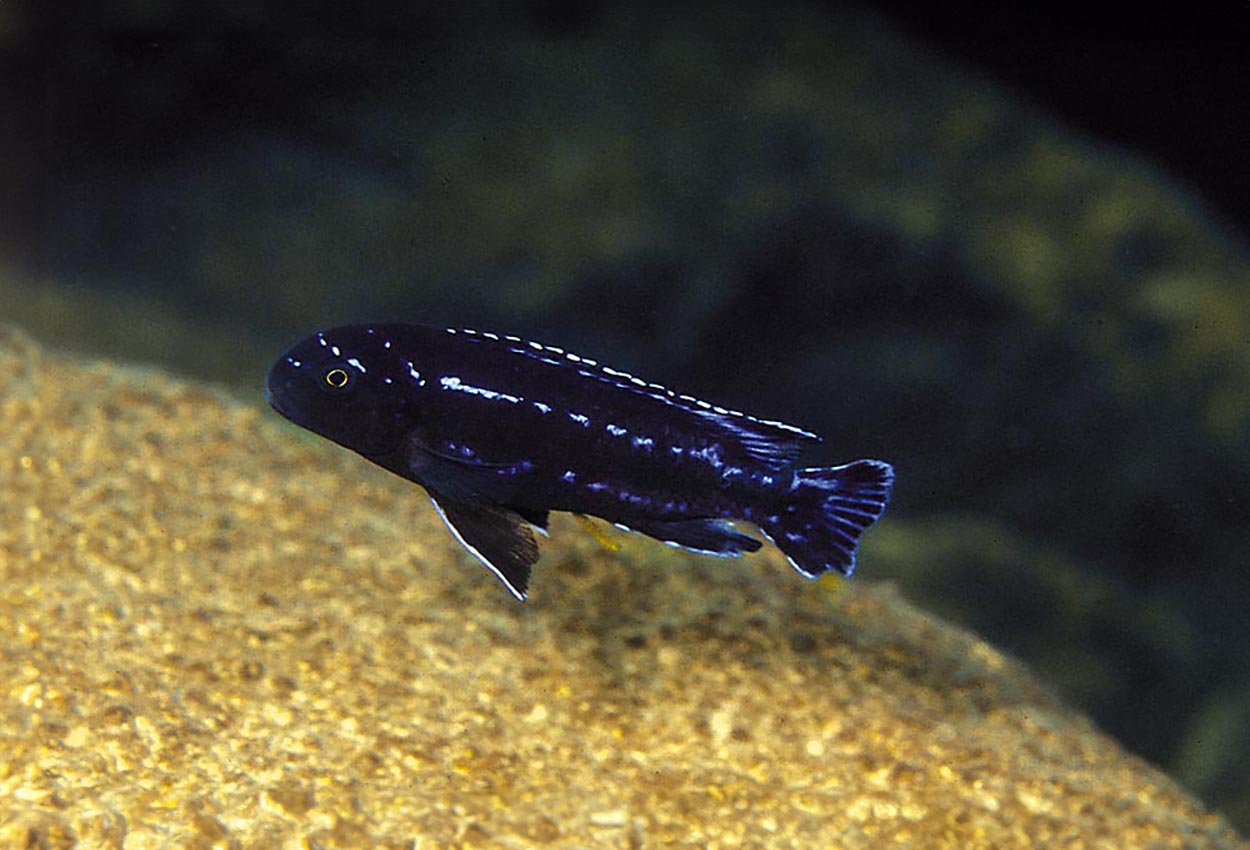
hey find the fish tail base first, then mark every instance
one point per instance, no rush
(819, 527)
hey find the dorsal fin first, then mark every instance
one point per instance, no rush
(773, 443)
(764, 441)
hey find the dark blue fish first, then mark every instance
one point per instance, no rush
(501, 431)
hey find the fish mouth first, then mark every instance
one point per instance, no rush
(275, 393)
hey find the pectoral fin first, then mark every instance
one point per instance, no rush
(500, 538)
(536, 518)
(463, 479)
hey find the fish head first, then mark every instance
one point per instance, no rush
(348, 385)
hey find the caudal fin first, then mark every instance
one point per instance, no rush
(818, 527)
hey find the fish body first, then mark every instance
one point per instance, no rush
(501, 431)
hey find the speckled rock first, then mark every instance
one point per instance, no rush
(220, 634)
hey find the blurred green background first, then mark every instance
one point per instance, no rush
(797, 210)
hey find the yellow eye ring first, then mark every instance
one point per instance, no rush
(337, 378)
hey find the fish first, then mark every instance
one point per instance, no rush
(502, 431)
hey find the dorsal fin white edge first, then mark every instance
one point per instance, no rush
(592, 369)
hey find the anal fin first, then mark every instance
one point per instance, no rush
(601, 537)
(709, 536)
(498, 537)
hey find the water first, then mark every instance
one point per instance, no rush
(804, 217)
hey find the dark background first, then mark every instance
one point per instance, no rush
(1170, 84)
(1007, 255)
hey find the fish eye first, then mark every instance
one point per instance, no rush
(336, 379)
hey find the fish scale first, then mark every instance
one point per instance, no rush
(500, 431)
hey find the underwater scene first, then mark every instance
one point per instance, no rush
(356, 369)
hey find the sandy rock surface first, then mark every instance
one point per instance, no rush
(221, 633)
